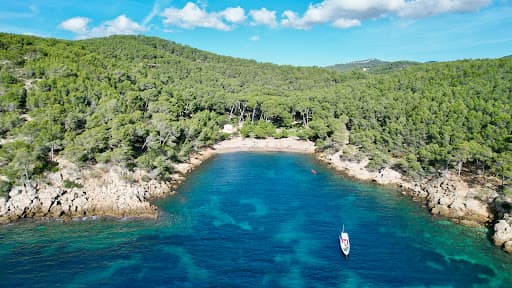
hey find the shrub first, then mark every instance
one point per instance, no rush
(71, 184)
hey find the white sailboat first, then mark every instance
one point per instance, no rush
(344, 242)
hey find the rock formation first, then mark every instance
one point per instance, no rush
(503, 233)
(100, 190)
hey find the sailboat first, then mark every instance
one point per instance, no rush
(344, 242)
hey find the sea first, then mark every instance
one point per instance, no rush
(258, 220)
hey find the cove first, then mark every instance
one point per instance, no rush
(258, 220)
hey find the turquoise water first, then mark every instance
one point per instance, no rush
(258, 220)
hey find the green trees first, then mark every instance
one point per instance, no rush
(146, 102)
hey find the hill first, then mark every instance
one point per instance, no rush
(373, 66)
(145, 102)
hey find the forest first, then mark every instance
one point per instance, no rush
(146, 102)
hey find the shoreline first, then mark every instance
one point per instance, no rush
(114, 192)
(110, 191)
(239, 144)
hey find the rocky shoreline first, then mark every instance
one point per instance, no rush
(97, 191)
(112, 191)
(446, 195)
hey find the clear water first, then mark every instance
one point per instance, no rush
(258, 220)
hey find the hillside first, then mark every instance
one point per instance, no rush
(373, 66)
(145, 102)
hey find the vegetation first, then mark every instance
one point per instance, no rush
(145, 102)
(373, 66)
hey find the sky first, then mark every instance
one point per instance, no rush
(299, 32)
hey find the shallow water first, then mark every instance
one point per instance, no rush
(258, 220)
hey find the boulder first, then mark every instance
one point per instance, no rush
(387, 176)
(503, 232)
(507, 247)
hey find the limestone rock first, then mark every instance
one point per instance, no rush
(3, 206)
(503, 233)
(507, 247)
(387, 176)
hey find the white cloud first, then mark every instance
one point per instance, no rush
(154, 12)
(425, 8)
(338, 13)
(76, 25)
(192, 16)
(234, 15)
(255, 38)
(349, 13)
(292, 20)
(117, 26)
(263, 17)
(346, 23)
(120, 25)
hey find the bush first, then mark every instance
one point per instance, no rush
(69, 184)
(246, 131)
(377, 161)
(5, 187)
(261, 129)
(507, 190)
(280, 134)
(259, 132)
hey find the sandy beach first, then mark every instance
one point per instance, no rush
(239, 144)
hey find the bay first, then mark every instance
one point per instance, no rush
(258, 220)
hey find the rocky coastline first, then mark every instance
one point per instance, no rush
(97, 191)
(112, 191)
(446, 195)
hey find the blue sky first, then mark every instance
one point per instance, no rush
(312, 32)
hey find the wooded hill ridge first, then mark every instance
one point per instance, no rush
(373, 66)
(146, 102)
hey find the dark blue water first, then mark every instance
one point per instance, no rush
(258, 220)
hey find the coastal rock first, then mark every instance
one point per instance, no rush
(3, 207)
(100, 190)
(451, 197)
(353, 169)
(503, 233)
(507, 247)
(387, 176)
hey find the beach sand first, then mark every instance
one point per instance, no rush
(239, 144)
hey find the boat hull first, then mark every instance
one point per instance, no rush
(344, 244)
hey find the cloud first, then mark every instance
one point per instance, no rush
(263, 17)
(77, 25)
(340, 14)
(346, 23)
(255, 38)
(349, 13)
(192, 16)
(234, 15)
(154, 12)
(425, 8)
(120, 25)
